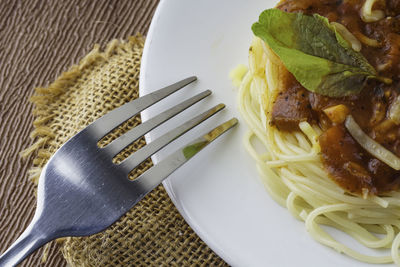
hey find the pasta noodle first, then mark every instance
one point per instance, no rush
(366, 40)
(292, 172)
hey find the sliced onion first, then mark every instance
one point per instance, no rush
(370, 145)
(369, 15)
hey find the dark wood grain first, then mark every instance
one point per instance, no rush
(38, 40)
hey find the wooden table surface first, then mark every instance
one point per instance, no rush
(38, 40)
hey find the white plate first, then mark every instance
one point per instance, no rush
(218, 192)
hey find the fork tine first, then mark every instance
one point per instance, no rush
(155, 175)
(131, 136)
(113, 119)
(139, 156)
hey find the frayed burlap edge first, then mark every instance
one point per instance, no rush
(43, 95)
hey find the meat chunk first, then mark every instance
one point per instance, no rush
(291, 107)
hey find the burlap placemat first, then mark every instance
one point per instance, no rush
(153, 233)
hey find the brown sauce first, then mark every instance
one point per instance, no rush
(347, 163)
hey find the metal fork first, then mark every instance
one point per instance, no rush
(82, 192)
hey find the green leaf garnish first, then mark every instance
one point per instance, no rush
(311, 49)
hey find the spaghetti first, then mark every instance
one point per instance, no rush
(293, 173)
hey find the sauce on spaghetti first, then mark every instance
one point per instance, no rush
(347, 163)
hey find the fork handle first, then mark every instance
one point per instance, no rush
(29, 241)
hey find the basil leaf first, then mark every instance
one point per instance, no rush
(311, 49)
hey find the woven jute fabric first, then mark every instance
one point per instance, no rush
(152, 233)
